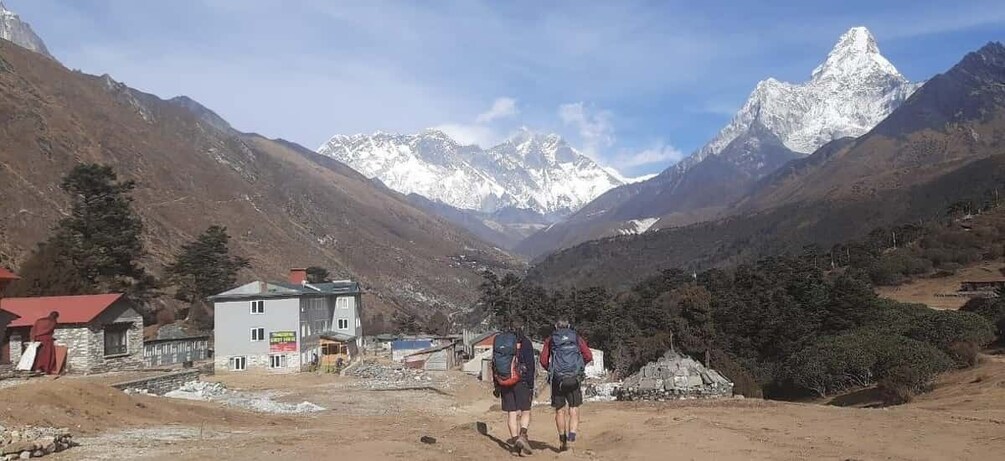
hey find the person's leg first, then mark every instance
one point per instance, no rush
(513, 422)
(573, 420)
(575, 399)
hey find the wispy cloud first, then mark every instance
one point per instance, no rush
(660, 153)
(594, 127)
(501, 108)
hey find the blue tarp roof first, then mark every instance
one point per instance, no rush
(411, 344)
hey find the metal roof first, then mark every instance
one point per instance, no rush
(263, 289)
(72, 309)
(7, 275)
(337, 336)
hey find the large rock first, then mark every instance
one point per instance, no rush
(675, 376)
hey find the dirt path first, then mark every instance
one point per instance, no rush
(963, 419)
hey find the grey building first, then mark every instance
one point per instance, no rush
(173, 345)
(277, 326)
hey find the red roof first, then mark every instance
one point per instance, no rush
(72, 309)
(7, 275)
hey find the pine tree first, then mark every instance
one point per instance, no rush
(97, 248)
(205, 267)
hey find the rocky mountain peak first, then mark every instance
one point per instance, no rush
(856, 55)
(13, 29)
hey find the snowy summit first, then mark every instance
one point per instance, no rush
(19, 32)
(848, 94)
(528, 171)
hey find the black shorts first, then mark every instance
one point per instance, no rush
(565, 395)
(516, 398)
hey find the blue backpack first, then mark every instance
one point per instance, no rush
(567, 364)
(505, 367)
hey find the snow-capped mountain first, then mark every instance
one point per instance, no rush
(847, 95)
(529, 171)
(12, 28)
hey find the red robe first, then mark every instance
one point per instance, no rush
(45, 357)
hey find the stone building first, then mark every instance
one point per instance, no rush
(172, 345)
(277, 326)
(102, 333)
(673, 377)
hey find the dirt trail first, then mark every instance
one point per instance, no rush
(964, 418)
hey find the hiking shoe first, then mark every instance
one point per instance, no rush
(524, 445)
(563, 443)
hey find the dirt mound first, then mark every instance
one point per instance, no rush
(88, 407)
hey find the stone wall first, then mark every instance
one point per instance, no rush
(160, 384)
(673, 377)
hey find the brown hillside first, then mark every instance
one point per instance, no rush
(284, 205)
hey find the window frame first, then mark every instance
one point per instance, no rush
(242, 359)
(278, 361)
(261, 335)
(340, 323)
(258, 307)
(117, 328)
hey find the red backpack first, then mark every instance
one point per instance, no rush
(505, 359)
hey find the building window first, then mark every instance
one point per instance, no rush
(238, 363)
(258, 307)
(116, 339)
(345, 302)
(258, 334)
(343, 324)
(277, 361)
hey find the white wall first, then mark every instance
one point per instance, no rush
(234, 322)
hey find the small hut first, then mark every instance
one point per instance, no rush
(337, 351)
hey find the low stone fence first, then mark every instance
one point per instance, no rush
(33, 442)
(160, 384)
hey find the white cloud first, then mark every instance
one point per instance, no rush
(470, 134)
(661, 153)
(594, 126)
(501, 108)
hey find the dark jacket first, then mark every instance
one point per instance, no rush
(526, 359)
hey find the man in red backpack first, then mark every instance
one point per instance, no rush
(513, 375)
(565, 355)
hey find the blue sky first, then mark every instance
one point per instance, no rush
(636, 84)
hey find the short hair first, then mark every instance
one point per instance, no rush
(562, 323)
(54, 314)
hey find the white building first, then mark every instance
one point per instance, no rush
(277, 326)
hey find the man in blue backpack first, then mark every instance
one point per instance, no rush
(565, 355)
(513, 374)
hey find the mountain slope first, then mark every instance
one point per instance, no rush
(284, 205)
(13, 29)
(944, 144)
(529, 171)
(848, 94)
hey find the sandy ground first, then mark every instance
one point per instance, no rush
(964, 418)
(926, 290)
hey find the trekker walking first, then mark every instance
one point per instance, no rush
(513, 374)
(565, 355)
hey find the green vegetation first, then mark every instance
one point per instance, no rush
(781, 327)
(317, 274)
(202, 268)
(97, 248)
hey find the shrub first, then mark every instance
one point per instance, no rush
(992, 309)
(901, 384)
(944, 329)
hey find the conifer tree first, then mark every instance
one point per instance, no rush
(205, 267)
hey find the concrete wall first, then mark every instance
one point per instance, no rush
(160, 384)
(349, 309)
(232, 336)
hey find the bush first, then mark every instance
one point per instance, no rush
(834, 364)
(992, 309)
(946, 330)
(901, 384)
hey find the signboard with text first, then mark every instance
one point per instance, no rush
(282, 341)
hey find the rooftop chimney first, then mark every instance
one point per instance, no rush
(298, 276)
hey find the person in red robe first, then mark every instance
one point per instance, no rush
(45, 357)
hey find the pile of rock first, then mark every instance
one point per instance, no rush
(675, 377)
(33, 442)
(373, 375)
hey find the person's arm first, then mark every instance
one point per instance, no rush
(585, 350)
(545, 353)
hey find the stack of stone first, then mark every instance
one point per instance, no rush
(674, 377)
(33, 442)
(379, 376)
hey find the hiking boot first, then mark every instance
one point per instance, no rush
(523, 443)
(563, 443)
